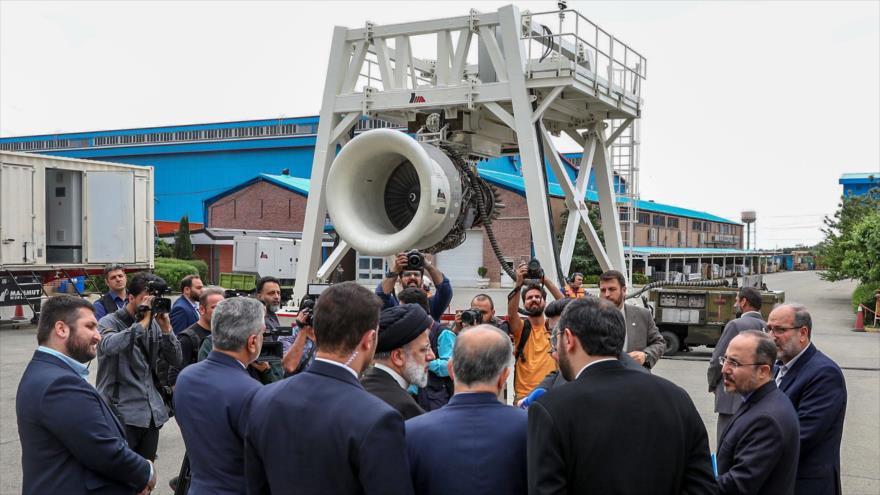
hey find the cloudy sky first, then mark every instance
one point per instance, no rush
(748, 105)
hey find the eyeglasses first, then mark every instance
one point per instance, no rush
(413, 274)
(554, 339)
(779, 330)
(733, 363)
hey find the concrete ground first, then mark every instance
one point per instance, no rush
(857, 353)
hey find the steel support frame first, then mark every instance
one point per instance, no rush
(342, 107)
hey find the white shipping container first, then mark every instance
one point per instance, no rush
(265, 256)
(63, 212)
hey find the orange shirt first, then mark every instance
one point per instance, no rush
(575, 294)
(538, 361)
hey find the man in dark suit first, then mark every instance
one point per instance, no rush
(402, 356)
(474, 444)
(211, 398)
(320, 431)
(816, 387)
(185, 310)
(758, 452)
(71, 441)
(643, 340)
(748, 309)
(610, 425)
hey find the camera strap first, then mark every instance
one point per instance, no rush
(523, 338)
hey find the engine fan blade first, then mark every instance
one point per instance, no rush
(402, 193)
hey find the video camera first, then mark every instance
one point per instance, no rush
(414, 260)
(471, 317)
(307, 303)
(272, 348)
(157, 288)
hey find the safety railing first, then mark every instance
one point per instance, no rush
(581, 44)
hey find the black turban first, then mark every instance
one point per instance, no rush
(400, 325)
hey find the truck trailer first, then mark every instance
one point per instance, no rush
(61, 217)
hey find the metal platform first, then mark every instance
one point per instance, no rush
(503, 82)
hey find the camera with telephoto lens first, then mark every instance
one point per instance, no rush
(471, 317)
(535, 272)
(414, 260)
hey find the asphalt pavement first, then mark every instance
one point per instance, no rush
(857, 353)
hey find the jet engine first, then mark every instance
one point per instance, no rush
(387, 193)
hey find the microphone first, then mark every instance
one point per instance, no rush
(532, 397)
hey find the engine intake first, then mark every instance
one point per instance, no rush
(388, 193)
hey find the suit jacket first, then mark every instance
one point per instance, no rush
(320, 432)
(614, 430)
(726, 403)
(183, 314)
(379, 383)
(473, 445)
(642, 334)
(758, 451)
(817, 389)
(71, 442)
(211, 402)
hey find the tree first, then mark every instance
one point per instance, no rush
(183, 248)
(583, 260)
(851, 249)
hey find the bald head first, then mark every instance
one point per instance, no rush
(481, 354)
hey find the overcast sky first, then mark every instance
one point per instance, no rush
(748, 105)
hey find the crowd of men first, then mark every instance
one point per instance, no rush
(371, 392)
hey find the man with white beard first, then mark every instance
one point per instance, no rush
(402, 356)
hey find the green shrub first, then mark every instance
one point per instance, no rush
(163, 249)
(591, 279)
(202, 267)
(640, 278)
(173, 270)
(864, 294)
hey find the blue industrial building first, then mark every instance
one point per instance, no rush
(196, 162)
(859, 184)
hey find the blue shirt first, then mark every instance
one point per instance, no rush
(80, 369)
(308, 355)
(437, 302)
(445, 343)
(100, 312)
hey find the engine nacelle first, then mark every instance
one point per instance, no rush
(387, 193)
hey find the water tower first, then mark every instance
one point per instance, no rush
(748, 218)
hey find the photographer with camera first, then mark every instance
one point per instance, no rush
(269, 293)
(482, 310)
(530, 336)
(301, 353)
(132, 339)
(409, 268)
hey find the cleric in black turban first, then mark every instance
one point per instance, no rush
(399, 325)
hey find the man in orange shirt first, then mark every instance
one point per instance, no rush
(531, 338)
(574, 289)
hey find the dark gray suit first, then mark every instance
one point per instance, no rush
(727, 404)
(642, 334)
(759, 449)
